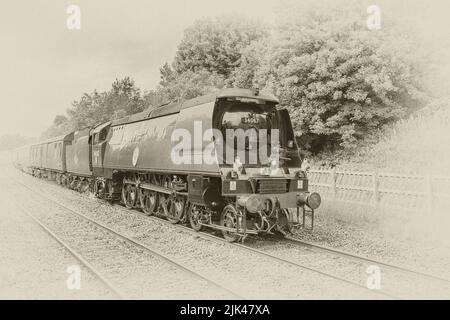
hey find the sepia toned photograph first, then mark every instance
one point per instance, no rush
(214, 153)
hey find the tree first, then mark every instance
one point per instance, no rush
(123, 99)
(215, 45)
(123, 95)
(190, 84)
(339, 80)
(59, 119)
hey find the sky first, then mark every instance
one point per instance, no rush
(45, 66)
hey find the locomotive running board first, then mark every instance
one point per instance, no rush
(154, 187)
(150, 186)
(240, 231)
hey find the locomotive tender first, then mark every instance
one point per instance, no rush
(132, 159)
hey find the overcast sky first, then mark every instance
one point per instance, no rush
(44, 66)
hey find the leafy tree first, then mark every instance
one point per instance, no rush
(61, 125)
(175, 87)
(215, 44)
(123, 99)
(60, 119)
(244, 76)
(123, 95)
(339, 80)
(89, 110)
(190, 84)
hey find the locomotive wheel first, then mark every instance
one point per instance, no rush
(129, 195)
(175, 214)
(284, 227)
(99, 189)
(166, 181)
(84, 187)
(229, 219)
(63, 180)
(73, 184)
(165, 204)
(194, 216)
(148, 200)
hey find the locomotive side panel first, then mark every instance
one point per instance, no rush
(147, 145)
(77, 154)
(140, 146)
(54, 158)
(197, 121)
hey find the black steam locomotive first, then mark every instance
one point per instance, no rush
(184, 161)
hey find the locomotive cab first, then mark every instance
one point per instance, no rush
(262, 183)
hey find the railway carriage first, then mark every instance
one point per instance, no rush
(48, 158)
(21, 158)
(36, 157)
(78, 150)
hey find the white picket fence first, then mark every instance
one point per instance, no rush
(409, 192)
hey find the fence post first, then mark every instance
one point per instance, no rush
(333, 183)
(429, 193)
(375, 183)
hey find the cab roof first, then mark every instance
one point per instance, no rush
(176, 107)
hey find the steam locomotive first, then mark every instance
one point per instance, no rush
(240, 188)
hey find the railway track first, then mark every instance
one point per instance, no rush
(296, 242)
(291, 242)
(365, 259)
(398, 281)
(218, 239)
(135, 250)
(75, 254)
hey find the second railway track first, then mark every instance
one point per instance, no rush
(131, 269)
(396, 282)
(379, 293)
